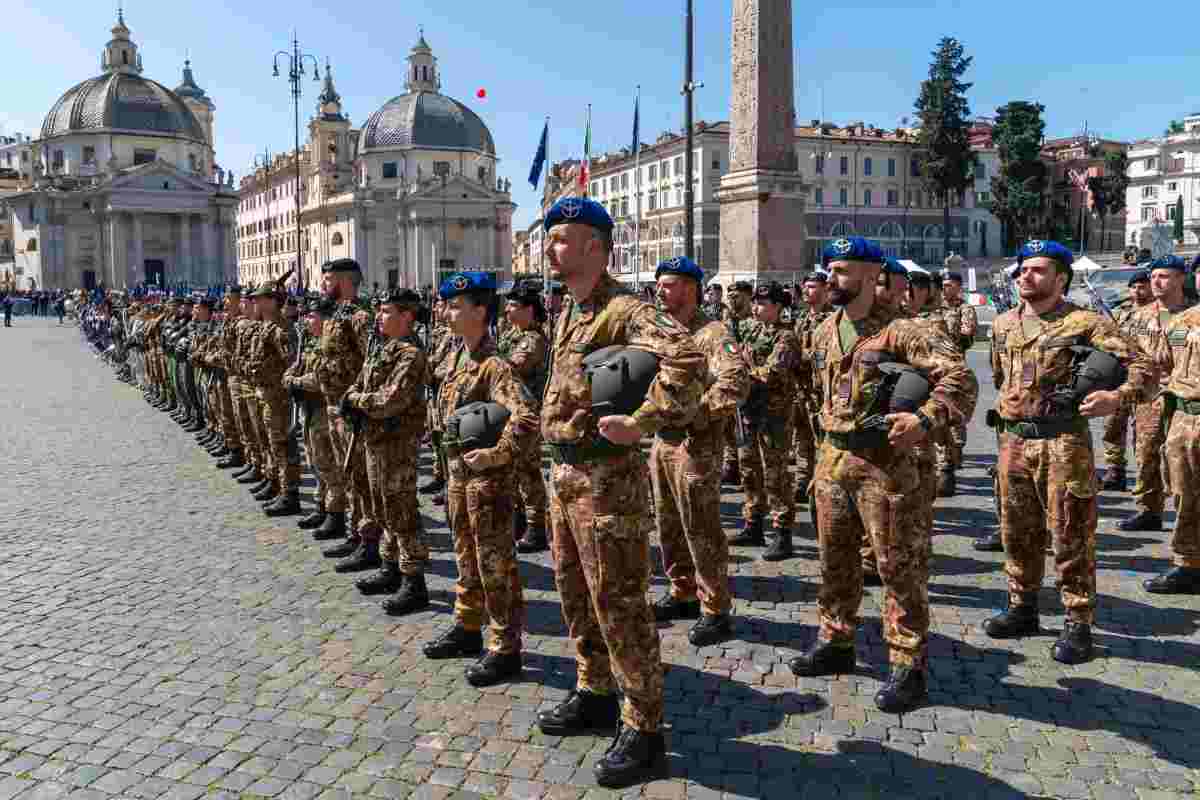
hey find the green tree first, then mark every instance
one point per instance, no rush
(1179, 219)
(1173, 127)
(1019, 191)
(1108, 190)
(946, 160)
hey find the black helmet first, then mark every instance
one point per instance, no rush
(908, 388)
(476, 426)
(619, 378)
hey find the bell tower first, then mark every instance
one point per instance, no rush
(196, 100)
(330, 141)
(121, 53)
(422, 68)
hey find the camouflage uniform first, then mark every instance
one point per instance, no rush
(601, 554)
(1146, 328)
(525, 352)
(877, 489)
(270, 357)
(479, 503)
(1182, 377)
(1116, 425)
(774, 357)
(221, 356)
(247, 400)
(344, 338)
(440, 347)
(390, 391)
(685, 472)
(732, 320)
(317, 445)
(1048, 486)
(961, 323)
(808, 404)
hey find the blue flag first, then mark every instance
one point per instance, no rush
(637, 144)
(539, 158)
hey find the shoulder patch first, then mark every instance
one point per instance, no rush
(731, 348)
(665, 322)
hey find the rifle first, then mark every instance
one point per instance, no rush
(1097, 299)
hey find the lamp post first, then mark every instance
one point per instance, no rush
(442, 170)
(295, 70)
(266, 164)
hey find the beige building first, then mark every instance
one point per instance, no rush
(267, 229)
(524, 262)
(1161, 171)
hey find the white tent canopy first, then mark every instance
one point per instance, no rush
(1083, 265)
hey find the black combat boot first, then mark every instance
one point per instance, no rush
(947, 483)
(519, 524)
(455, 643)
(1074, 645)
(262, 492)
(439, 499)
(534, 540)
(904, 690)
(992, 543)
(251, 475)
(669, 607)
(823, 658)
(234, 459)
(285, 505)
(313, 520)
(333, 527)
(433, 487)
(751, 534)
(385, 581)
(1142, 521)
(348, 547)
(244, 469)
(633, 757)
(1177, 580)
(871, 577)
(413, 596)
(1021, 619)
(581, 712)
(781, 545)
(711, 629)
(221, 452)
(494, 668)
(365, 557)
(1114, 479)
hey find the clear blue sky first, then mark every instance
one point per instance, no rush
(1127, 76)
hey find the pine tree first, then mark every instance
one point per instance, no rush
(1019, 190)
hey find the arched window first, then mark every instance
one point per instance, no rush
(336, 240)
(842, 229)
(890, 230)
(933, 232)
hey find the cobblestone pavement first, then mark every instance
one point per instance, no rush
(162, 638)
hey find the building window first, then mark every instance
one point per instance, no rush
(819, 196)
(31, 245)
(652, 172)
(1147, 213)
(893, 197)
(820, 165)
(625, 180)
(867, 167)
(595, 189)
(336, 239)
(843, 197)
(982, 198)
(891, 167)
(612, 184)
(1171, 211)
(144, 156)
(389, 170)
(57, 162)
(678, 166)
(1151, 163)
(624, 206)
(1173, 186)
(866, 197)
(89, 154)
(652, 201)
(845, 165)
(716, 162)
(914, 168)
(1149, 191)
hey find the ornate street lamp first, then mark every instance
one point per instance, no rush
(295, 70)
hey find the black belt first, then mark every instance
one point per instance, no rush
(672, 435)
(1043, 428)
(857, 439)
(575, 453)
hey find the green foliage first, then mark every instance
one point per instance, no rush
(1019, 191)
(1108, 190)
(946, 160)
(1173, 127)
(1178, 232)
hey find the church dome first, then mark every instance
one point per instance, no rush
(121, 101)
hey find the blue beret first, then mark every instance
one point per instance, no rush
(581, 210)
(1044, 248)
(853, 248)
(463, 282)
(681, 265)
(953, 276)
(1139, 276)
(1169, 262)
(893, 267)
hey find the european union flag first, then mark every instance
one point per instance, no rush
(539, 158)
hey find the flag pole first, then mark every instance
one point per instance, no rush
(542, 238)
(637, 188)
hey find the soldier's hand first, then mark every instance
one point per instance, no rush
(620, 429)
(905, 430)
(1100, 404)
(486, 458)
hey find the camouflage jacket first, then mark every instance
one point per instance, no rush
(344, 338)
(1146, 329)
(774, 356)
(808, 395)
(1028, 368)
(390, 390)
(961, 322)
(726, 385)
(525, 351)
(1182, 376)
(481, 375)
(610, 316)
(269, 353)
(850, 380)
(247, 329)
(225, 355)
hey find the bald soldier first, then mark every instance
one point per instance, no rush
(685, 468)
(866, 478)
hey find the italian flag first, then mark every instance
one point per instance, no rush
(585, 168)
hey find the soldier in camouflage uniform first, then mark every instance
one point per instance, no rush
(525, 347)
(442, 343)
(1181, 396)
(1146, 327)
(866, 476)
(479, 500)
(737, 308)
(389, 396)
(962, 323)
(808, 396)
(220, 357)
(1116, 425)
(258, 469)
(1046, 465)
(271, 355)
(601, 550)
(684, 468)
(774, 356)
(300, 380)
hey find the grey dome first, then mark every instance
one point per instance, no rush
(122, 102)
(425, 119)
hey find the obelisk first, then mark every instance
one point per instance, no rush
(763, 235)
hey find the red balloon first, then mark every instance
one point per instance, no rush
(481, 93)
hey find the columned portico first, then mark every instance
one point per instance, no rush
(136, 270)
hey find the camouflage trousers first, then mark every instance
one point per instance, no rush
(247, 409)
(1048, 489)
(213, 400)
(927, 474)
(276, 419)
(1114, 437)
(531, 485)
(853, 496)
(319, 449)
(805, 449)
(766, 478)
(687, 501)
(950, 446)
(349, 489)
(479, 509)
(228, 414)
(602, 569)
(1183, 466)
(730, 456)
(1149, 437)
(392, 474)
